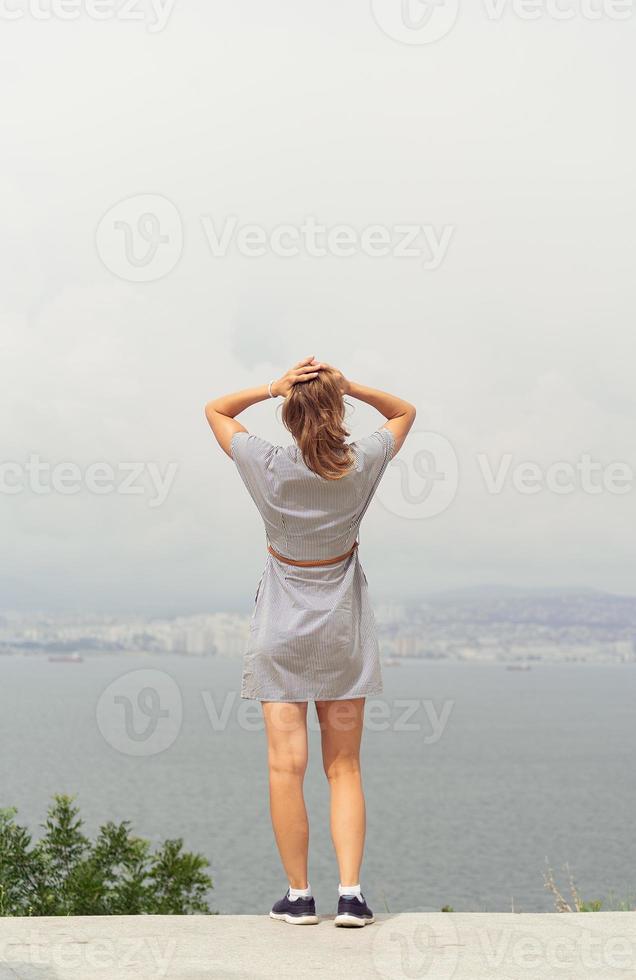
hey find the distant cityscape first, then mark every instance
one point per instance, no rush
(479, 625)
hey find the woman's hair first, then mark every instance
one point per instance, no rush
(314, 414)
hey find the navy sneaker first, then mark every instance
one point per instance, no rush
(302, 912)
(353, 911)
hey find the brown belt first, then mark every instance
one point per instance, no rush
(310, 564)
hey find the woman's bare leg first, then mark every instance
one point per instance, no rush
(286, 727)
(341, 732)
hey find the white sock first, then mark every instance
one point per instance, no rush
(295, 893)
(350, 890)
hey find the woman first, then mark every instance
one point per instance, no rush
(312, 632)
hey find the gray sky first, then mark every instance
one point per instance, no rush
(503, 153)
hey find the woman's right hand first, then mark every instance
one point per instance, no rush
(305, 370)
(340, 378)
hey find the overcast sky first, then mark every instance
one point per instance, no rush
(478, 197)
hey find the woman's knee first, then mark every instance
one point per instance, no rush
(287, 763)
(344, 766)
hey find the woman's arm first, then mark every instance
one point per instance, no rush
(400, 414)
(221, 412)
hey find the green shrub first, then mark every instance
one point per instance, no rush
(64, 873)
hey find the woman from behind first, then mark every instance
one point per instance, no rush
(312, 633)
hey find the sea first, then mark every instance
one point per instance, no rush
(477, 778)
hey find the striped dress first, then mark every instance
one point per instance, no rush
(312, 633)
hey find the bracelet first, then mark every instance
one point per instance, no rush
(269, 388)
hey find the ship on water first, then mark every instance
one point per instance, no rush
(66, 658)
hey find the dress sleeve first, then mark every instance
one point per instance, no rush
(253, 458)
(376, 452)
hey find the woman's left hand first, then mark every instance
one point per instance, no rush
(305, 370)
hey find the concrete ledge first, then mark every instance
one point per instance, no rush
(439, 946)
